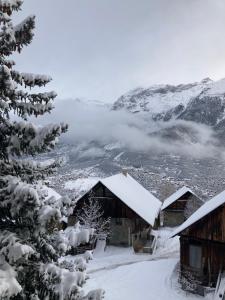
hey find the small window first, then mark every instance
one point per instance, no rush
(195, 256)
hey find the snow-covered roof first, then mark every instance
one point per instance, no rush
(134, 195)
(175, 196)
(204, 210)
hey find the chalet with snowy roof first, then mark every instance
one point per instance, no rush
(177, 207)
(202, 243)
(133, 210)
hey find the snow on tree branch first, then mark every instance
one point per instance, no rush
(23, 32)
(29, 171)
(9, 286)
(7, 6)
(12, 249)
(29, 79)
(26, 138)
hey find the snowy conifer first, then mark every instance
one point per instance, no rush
(28, 268)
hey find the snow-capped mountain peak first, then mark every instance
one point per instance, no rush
(161, 98)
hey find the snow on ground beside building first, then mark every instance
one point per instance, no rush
(116, 256)
(150, 280)
(166, 244)
(126, 275)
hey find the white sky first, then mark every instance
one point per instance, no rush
(99, 49)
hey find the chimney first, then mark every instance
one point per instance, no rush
(124, 172)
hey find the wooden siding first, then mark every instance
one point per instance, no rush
(209, 234)
(117, 210)
(175, 215)
(172, 218)
(210, 227)
(113, 207)
(180, 203)
(212, 260)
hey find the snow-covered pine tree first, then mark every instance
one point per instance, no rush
(28, 267)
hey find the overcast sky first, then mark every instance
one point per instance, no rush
(99, 49)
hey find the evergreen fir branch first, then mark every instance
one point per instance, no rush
(29, 79)
(24, 33)
(7, 6)
(29, 171)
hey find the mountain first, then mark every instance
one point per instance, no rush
(166, 136)
(160, 98)
(202, 102)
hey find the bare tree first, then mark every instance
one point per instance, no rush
(91, 215)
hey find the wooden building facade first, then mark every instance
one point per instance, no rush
(130, 223)
(202, 243)
(178, 207)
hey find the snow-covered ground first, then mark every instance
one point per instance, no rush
(150, 280)
(128, 276)
(117, 256)
(125, 275)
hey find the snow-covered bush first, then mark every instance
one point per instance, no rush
(88, 255)
(95, 295)
(72, 237)
(29, 267)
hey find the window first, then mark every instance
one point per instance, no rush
(195, 256)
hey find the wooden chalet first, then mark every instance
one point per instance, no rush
(178, 206)
(133, 210)
(202, 243)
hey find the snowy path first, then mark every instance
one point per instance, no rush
(139, 258)
(128, 276)
(149, 280)
(115, 257)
